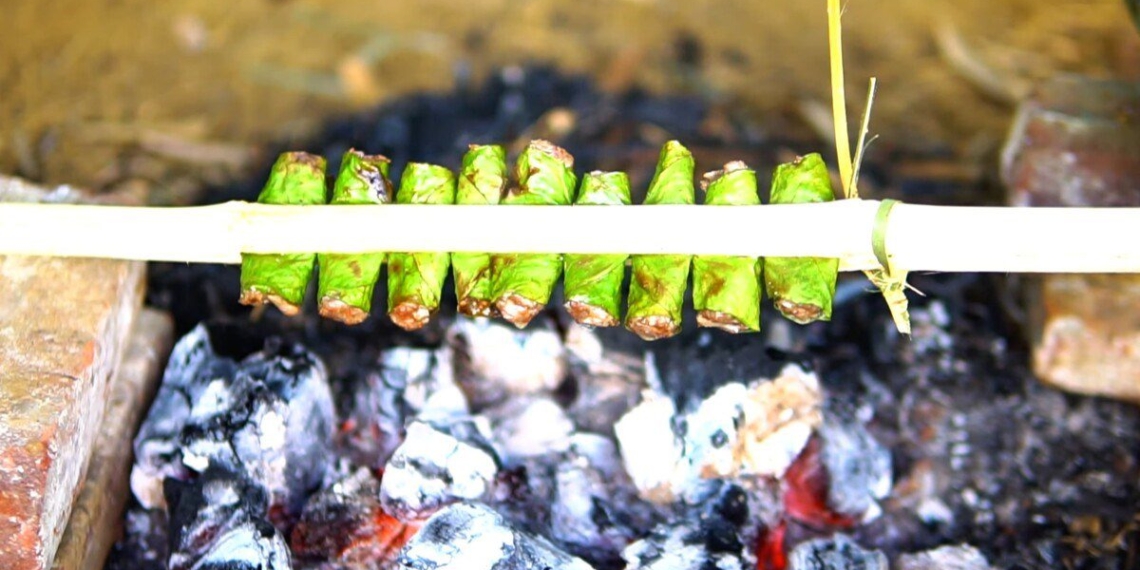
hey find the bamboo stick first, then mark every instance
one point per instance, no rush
(919, 238)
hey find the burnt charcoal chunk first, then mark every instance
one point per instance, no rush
(407, 383)
(218, 522)
(709, 533)
(344, 523)
(494, 361)
(438, 464)
(470, 536)
(837, 553)
(858, 468)
(269, 417)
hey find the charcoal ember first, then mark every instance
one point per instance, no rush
(494, 361)
(344, 524)
(438, 464)
(607, 382)
(270, 417)
(858, 468)
(472, 536)
(836, 553)
(219, 521)
(958, 557)
(407, 383)
(145, 544)
(740, 430)
(710, 532)
(529, 426)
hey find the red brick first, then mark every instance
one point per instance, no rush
(63, 325)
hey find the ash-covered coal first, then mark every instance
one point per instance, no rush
(438, 464)
(468, 536)
(494, 363)
(269, 417)
(405, 384)
(345, 526)
(739, 430)
(219, 521)
(836, 553)
(957, 557)
(710, 530)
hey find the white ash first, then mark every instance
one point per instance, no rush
(710, 532)
(959, 557)
(407, 383)
(438, 464)
(468, 536)
(270, 417)
(650, 448)
(858, 467)
(738, 431)
(529, 427)
(218, 522)
(494, 361)
(836, 553)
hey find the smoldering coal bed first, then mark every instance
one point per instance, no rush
(281, 442)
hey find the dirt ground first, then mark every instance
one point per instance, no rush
(197, 84)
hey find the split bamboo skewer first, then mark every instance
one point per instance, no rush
(918, 238)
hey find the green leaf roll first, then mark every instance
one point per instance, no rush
(593, 282)
(523, 283)
(726, 289)
(296, 179)
(482, 180)
(415, 280)
(802, 288)
(346, 282)
(657, 286)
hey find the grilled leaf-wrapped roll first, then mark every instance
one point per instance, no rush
(415, 280)
(296, 179)
(657, 287)
(523, 282)
(481, 181)
(802, 288)
(346, 282)
(726, 289)
(593, 282)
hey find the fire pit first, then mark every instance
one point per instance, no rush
(297, 442)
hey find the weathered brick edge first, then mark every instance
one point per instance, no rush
(96, 517)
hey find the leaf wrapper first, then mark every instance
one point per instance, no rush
(657, 287)
(482, 180)
(593, 282)
(523, 283)
(726, 289)
(296, 179)
(346, 281)
(415, 280)
(802, 288)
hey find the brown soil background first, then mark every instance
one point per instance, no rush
(81, 81)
